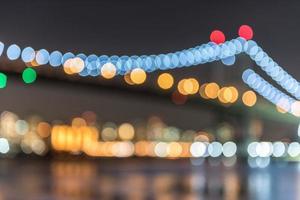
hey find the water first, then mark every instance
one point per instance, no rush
(144, 179)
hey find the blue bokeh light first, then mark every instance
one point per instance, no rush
(66, 56)
(229, 60)
(42, 57)
(28, 54)
(55, 58)
(266, 90)
(1, 48)
(13, 52)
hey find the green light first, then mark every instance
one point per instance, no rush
(29, 75)
(3, 80)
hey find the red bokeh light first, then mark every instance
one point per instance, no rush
(217, 37)
(178, 98)
(246, 32)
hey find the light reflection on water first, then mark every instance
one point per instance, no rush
(144, 179)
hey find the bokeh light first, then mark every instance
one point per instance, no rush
(202, 91)
(3, 80)
(211, 90)
(295, 108)
(43, 129)
(138, 76)
(188, 86)
(198, 149)
(225, 95)
(229, 149)
(29, 75)
(77, 65)
(234, 93)
(126, 131)
(178, 98)
(42, 57)
(73, 65)
(55, 58)
(165, 81)
(246, 32)
(108, 70)
(4, 146)
(28, 54)
(78, 122)
(249, 98)
(13, 52)
(217, 37)
(128, 79)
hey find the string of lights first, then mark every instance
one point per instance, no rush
(217, 49)
(85, 134)
(272, 69)
(269, 92)
(94, 65)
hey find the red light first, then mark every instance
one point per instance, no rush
(178, 98)
(246, 32)
(217, 37)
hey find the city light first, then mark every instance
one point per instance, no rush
(29, 75)
(3, 80)
(249, 98)
(138, 76)
(13, 52)
(126, 131)
(165, 81)
(211, 90)
(188, 86)
(4, 146)
(28, 54)
(108, 70)
(42, 57)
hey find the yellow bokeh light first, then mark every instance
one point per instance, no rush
(180, 87)
(235, 94)
(138, 76)
(76, 65)
(202, 91)
(225, 95)
(211, 90)
(33, 63)
(174, 149)
(126, 131)
(43, 129)
(165, 81)
(78, 122)
(141, 148)
(249, 98)
(128, 79)
(67, 67)
(188, 86)
(108, 70)
(195, 86)
(109, 134)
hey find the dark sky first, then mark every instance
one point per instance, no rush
(145, 27)
(138, 27)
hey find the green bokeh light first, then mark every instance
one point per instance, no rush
(29, 75)
(3, 80)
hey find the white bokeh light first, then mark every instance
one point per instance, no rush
(4, 146)
(229, 149)
(198, 149)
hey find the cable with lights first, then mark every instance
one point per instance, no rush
(109, 66)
